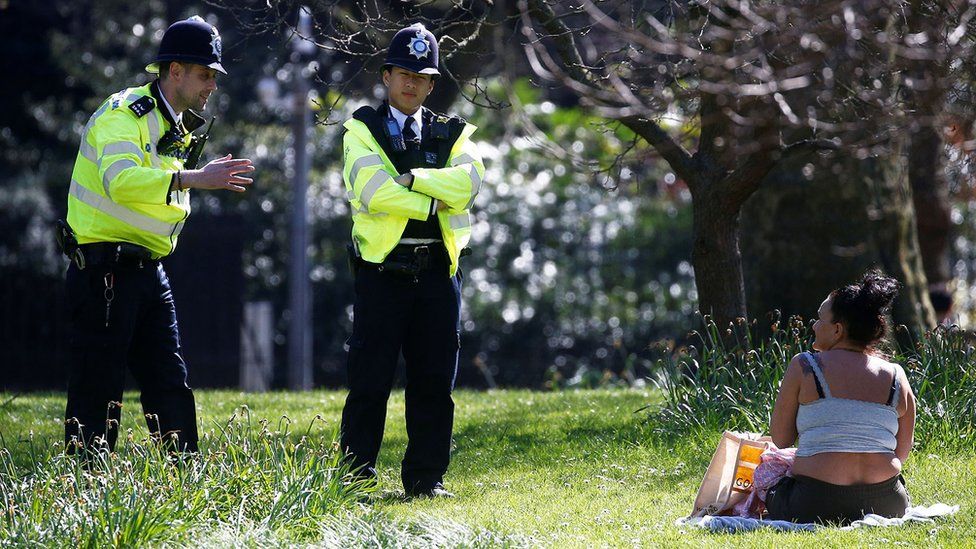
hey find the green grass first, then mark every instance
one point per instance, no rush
(575, 468)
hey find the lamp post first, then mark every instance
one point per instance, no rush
(299, 288)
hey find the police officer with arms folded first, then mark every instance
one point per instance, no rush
(411, 177)
(127, 203)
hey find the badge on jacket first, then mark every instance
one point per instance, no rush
(142, 106)
(431, 158)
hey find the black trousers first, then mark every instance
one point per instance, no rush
(805, 500)
(419, 317)
(142, 336)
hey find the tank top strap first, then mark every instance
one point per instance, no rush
(895, 388)
(813, 359)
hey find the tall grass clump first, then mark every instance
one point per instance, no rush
(247, 474)
(730, 381)
(942, 371)
(726, 382)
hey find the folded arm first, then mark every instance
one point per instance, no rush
(372, 189)
(458, 184)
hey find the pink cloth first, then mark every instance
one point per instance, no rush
(774, 464)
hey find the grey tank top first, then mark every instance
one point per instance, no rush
(832, 424)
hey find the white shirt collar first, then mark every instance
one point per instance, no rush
(402, 118)
(177, 117)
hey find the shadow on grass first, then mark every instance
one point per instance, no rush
(506, 447)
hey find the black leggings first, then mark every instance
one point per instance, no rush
(804, 499)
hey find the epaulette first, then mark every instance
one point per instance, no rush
(444, 126)
(448, 118)
(142, 106)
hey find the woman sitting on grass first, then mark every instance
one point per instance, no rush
(853, 411)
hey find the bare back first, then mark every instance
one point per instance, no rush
(854, 376)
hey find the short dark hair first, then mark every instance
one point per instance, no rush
(389, 69)
(863, 307)
(164, 68)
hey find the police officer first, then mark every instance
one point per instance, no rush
(127, 203)
(411, 177)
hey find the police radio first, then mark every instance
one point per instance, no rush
(392, 130)
(171, 144)
(197, 143)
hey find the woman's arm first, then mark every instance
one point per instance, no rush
(906, 422)
(782, 424)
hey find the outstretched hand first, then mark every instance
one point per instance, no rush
(221, 173)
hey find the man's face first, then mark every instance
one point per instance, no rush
(194, 84)
(407, 90)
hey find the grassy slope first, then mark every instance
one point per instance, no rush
(567, 469)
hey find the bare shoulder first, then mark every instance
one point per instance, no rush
(902, 376)
(797, 369)
(801, 364)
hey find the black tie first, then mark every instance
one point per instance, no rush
(409, 135)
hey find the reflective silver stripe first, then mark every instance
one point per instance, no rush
(462, 159)
(364, 162)
(87, 150)
(460, 221)
(154, 134)
(120, 212)
(365, 210)
(350, 195)
(122, 147)
(113, 171)
(179, 228)
(475, 186)
(416, 241)
(373, 185)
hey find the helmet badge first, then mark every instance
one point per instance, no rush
(215, 44)
(419, 46)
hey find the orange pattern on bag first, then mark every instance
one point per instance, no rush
(747, 463)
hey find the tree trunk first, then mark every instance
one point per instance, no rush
(930, 196)
(897, 239)
(716, 258)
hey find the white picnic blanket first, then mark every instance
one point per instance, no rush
(919, 513)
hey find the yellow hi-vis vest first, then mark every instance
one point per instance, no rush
(381, 207)
(120, 185)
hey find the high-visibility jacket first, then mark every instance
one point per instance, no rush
(120, 185)
(381, 207)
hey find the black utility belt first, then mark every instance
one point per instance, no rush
(413, 259)
(111, 253)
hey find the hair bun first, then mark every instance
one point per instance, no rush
(863, 306)
(877, 291)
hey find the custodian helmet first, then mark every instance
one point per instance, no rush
(415, 49)
(192, 40)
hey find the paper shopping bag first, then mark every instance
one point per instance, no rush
(728, 479)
